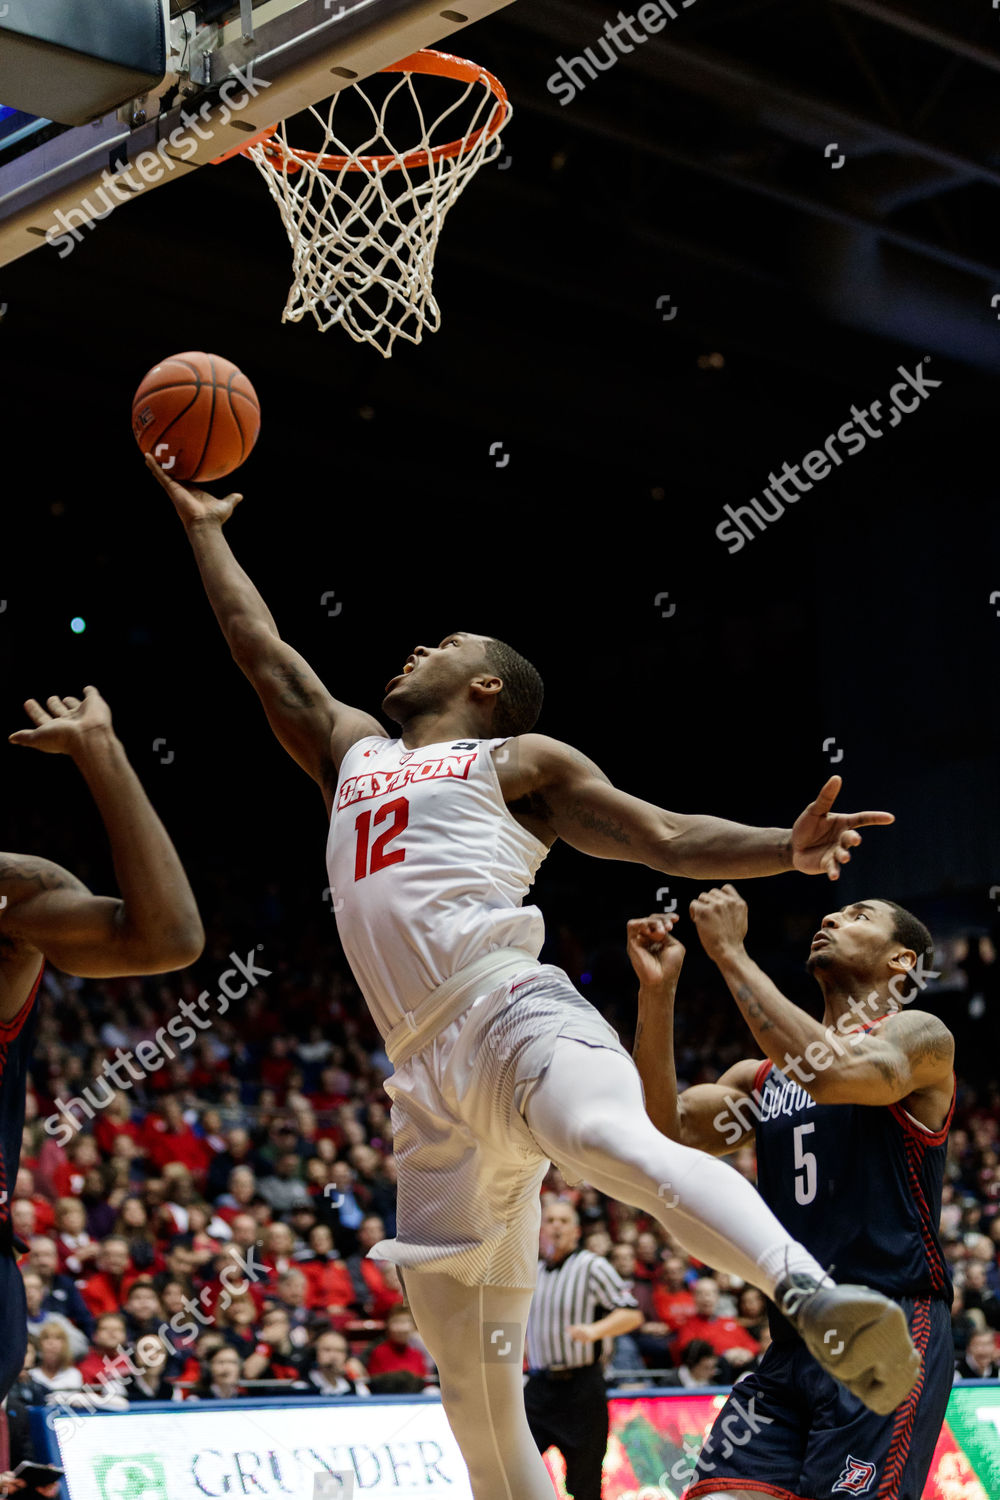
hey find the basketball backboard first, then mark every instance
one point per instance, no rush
(232, 70)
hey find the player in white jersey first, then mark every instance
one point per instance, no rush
(500, 1065)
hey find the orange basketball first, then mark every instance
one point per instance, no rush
(198, 415)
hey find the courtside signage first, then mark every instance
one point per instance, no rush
(402, 1449)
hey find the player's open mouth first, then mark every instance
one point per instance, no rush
(411, 666)
(821, 937)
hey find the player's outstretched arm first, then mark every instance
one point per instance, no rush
(567, 791)
(714, 1117)
(311, 724)
(154, 928)
(909, 1052)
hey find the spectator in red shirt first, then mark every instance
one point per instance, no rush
(242, 1194)
(109, 1337)
(77, 1251)
(329, 1288)
(106, 1288)
(725, 1335)
(68, 1176)
(276, 1066)
(23, 1219)
(167, 1137)
(115, 1120)
(277, 1251)
(334, 1090)
(672, 1297)
(376, 1285)
(648, 1257)
(398, 1351)
(24, 1188)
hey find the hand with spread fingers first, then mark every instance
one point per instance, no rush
(822, 839)
(64, 724)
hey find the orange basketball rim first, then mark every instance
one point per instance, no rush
(427, 61)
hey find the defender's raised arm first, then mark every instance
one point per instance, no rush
(311, 724)
(566, 792)
(154, 927)
(702, 1116)
(899, 1054)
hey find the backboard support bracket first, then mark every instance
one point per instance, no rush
(299, 52)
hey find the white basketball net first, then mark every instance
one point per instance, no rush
(364, 234)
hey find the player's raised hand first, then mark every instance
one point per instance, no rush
(656, 955)
(720, 916)
(192, 505)
(822, 840)
(62, 726)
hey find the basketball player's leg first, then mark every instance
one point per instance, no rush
(475, 1336)
(587, 1115)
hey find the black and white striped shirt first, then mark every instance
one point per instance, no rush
(582, 1288)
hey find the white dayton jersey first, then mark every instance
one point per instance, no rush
(428, 868)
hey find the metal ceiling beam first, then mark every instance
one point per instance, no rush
(924, 31)
(689, 66)
(816, 207)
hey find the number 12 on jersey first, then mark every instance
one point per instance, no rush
(367, 861)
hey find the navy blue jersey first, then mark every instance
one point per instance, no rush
(16, 1042)
(859, 1185)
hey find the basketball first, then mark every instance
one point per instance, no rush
(198, 415)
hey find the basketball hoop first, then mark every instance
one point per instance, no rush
(364, 225)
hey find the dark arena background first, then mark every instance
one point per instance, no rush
(685, 272)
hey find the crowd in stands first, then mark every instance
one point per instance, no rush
(199, 1229)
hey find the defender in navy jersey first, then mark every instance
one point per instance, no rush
(47, 914)
(850, 1116)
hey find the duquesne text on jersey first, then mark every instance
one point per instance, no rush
(375, 783)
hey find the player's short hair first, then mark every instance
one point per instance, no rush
(520, 700)
(908, 929)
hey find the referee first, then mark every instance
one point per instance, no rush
(565, 1397)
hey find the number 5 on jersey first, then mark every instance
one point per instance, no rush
(805, 1166)
(399, 811)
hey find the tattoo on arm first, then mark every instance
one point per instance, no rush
(886, 1068)
(297, 695)
(580, 813)
(755, 1010)
(931, 1044)
(638, 1034)
(21, 879)
(30, 873)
